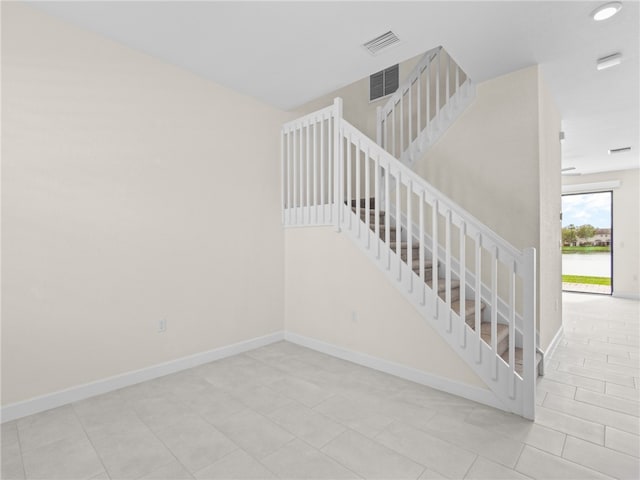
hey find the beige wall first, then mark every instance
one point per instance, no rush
(550, 249)
(357, 109)
(487, 161)
(130, 193)
(501, 161)
(335, 294)
(626, 227)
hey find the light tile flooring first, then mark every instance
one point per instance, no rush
(284, 411)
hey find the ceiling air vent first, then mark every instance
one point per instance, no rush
(619, 150)
(378, 44)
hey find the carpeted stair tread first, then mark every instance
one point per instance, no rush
(415, 263)
(403, 246)
(470, 310)
(485, 333)
(442, 284)
(518, 358)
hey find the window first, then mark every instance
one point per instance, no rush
(383, 83)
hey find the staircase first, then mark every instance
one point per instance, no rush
(430, 99)
(426, 265)
(474, 288)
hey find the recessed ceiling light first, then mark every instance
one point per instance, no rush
(605, 11)
(609, 61)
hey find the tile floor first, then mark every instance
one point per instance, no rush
(284, 411)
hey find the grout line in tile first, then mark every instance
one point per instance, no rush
(218, 460)
(24, 470)
(163, 444)
(474, 462)
(568, 461)
(329, 456)
(73, 409)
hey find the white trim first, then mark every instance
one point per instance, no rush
(80, 392)
(470, 392)
(548, 353)
(628, 296)
(591, 187)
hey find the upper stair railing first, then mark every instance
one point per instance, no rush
(470, 284)
(433, 95)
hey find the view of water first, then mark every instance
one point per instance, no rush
(592, 264)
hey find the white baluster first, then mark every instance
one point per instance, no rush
(419, 85)
(494, 310)
(308, 172)
(427, 94)
(421, 245)
(410, 116)
(462, 276)
(437, 114)
(398, 225)
(367, 195)
(322, 171)
(512, 331)
(282, 174)
(301, 172)
(478, 294)
(376, 204)
(294, 152)
(447, 271)
(387, 219)
(358, 179)
(393, 131)
(435, 255)
(289, 166)
(315, 170)
(399, 156)
(331, 160)
(349, 167)
(410, 233)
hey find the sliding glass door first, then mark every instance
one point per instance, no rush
(587, 242)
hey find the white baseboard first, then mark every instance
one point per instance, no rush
(477, 394)
(552, 346)
(80, 392)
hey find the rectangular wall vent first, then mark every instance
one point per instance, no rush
(378, 44)
(384, 82)
(619, 150)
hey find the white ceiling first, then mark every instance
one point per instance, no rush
(288, 53)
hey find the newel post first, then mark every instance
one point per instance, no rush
(529, 334)
(338, 161)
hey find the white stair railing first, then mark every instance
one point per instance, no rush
(308, 167)
(433, 95)
(421, 239)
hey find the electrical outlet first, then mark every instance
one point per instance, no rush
(354, 317)
(162, 325)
